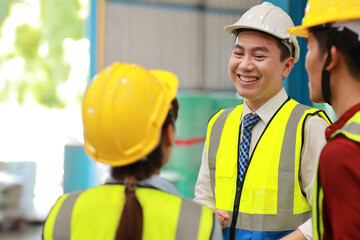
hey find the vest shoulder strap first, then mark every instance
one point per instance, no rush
(351, 129)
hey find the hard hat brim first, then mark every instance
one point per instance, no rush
(232, 29)
(169, 80)
(300, 31)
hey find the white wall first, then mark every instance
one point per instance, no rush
(185, 37)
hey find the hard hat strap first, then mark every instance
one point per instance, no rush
(325, 76)
(325, 85)
(352, 25)
(289, 46)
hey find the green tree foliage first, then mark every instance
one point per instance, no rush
(27, 42)
(42, 74)
(4, 9)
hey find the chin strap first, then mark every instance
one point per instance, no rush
(325, 84)
(325, 76)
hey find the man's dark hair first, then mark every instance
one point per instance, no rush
(347, 43)
(284, 51)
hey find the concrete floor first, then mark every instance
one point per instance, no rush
(27, 232)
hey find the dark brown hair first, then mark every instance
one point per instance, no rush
(347, 43)
(131, 221)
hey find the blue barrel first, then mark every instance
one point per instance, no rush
(80, 171)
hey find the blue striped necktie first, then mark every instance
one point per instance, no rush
(250, 121)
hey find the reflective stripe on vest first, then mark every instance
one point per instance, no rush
(178, 218)
(214, 140)
(318, 197)
(351, 130)
(62, 222)
(189, 219)
(291, 208)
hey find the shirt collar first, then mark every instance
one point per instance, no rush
(154, 182)
(342, 120)
(267, 111)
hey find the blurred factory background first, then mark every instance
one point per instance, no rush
(49, 51)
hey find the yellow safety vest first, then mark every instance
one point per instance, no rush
(351, 130)
(270, 197)
(94, 214)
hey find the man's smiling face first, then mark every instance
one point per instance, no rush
(255, 67)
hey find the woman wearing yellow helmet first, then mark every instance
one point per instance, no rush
(129, 118)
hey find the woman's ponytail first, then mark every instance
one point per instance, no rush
(131, 221)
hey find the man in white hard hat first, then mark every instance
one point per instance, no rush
(332, 29)
(259, 157)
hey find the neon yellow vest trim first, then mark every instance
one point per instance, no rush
(318, 197)
(271, 201)
(351, 130)
(95, 213)
(50, 221)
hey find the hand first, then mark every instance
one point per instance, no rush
(296, 235)
(223, 216)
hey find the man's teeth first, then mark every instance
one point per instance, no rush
(248, 79)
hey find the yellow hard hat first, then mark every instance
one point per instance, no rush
(124, 109)
(319, 12)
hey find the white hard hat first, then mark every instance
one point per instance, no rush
(269, 19)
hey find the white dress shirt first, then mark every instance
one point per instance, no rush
(314, 141)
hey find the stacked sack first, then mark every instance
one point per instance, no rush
(11, 188)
